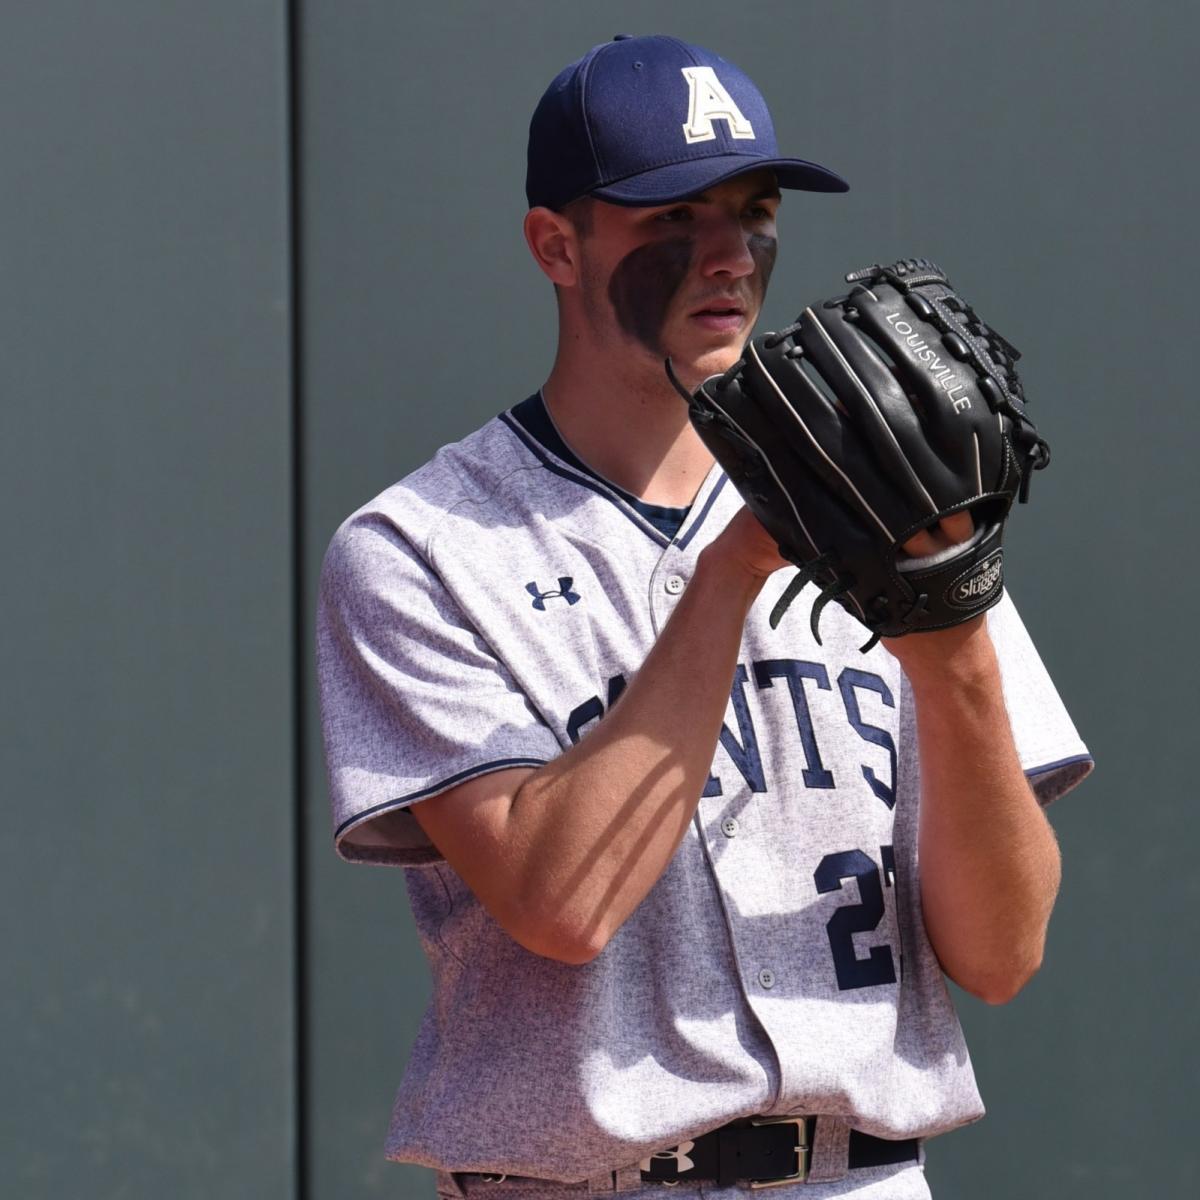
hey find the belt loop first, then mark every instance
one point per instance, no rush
(601, 1185)
(831, 1150)
(727, 1159)
(447, 1186)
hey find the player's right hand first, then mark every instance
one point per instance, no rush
(744, 545)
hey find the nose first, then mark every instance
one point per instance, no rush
(726, 251)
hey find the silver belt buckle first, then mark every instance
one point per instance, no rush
(804, 1131)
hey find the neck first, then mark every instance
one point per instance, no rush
(629, 425)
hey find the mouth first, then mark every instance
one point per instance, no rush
(719, 315)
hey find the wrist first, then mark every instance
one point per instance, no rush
(733, 573)
(962, 656)
(745, 549)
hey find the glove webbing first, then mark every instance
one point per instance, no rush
(995, 356)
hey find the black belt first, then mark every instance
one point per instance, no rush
(762, 1151)
(766, 1152)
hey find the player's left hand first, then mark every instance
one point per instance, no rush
(890, 409)
(933, 648)
(951, 530)
(751, 545)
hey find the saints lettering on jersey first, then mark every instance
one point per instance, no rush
(742, 748)
(860, 882)
(708, 101)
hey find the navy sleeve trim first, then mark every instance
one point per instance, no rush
(497, 764)
(1034, 772)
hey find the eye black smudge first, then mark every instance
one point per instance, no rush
(762, 250)
(643, 284)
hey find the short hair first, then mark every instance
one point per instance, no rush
(581, 213)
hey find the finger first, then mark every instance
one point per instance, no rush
(957, 527)
(949, 531)
(923, 543)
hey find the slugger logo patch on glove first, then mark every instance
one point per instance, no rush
(870, 419)
(984, 582)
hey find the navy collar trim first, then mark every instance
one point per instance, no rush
(682, 541)
(579, 475)
(531, 422)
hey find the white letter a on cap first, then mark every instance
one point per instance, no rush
(709, 102)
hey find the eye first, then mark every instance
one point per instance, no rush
(758, 212)
(672, 215)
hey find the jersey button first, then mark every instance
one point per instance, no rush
(766, 977)
(674, 584)
(729, 827)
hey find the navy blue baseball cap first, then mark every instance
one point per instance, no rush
(651, 120)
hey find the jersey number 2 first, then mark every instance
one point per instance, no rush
(878, 967)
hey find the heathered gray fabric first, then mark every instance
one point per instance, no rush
(465, 614)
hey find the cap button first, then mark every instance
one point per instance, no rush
(622, 37)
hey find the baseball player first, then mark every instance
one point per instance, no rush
(689, 885)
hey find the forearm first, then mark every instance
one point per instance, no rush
(591, 832)
(989, 861)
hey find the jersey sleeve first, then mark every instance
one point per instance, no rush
(413, 701)
(1052, 753)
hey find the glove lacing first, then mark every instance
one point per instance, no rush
(1034, 450)
(806, 574)
(773, 340)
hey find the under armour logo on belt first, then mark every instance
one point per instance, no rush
(564, 591)
(678, 1154)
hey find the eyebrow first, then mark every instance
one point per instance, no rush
(768, 193)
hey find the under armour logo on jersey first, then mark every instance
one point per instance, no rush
(564, 592)
(708, 101)
(677, 1154)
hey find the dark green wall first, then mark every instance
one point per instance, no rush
(202, 1000)
(149, 763)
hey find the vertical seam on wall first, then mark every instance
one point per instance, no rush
(300, 1088)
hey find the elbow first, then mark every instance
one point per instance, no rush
(556, 938)
(1004, 987)
(559, 946)
(575, 953)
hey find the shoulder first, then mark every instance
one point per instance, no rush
(464, 483)
(462, 479)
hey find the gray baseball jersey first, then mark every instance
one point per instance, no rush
(484, 613)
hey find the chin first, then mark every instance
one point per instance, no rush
(697, 354)
(693, 368)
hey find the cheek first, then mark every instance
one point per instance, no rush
(643, 285)
(762, 250)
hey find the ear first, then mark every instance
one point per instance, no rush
(554, 243)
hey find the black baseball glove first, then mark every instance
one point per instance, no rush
(869, 419)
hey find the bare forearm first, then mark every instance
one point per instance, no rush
(989, 861)
(592, 831)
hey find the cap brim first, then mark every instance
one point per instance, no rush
(677, 181)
